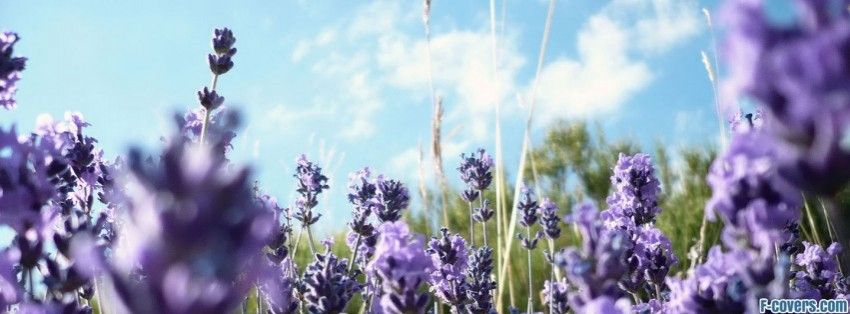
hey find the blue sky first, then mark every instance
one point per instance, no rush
(346, 81)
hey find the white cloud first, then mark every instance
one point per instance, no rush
(306, 46)
(600, 80)
(609, 70)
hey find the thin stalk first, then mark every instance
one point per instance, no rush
(354, 254)
(703, 230)
(555, 270)
(811, 220)
(530, 275)
(551, 286)
(527, 138)
(294, 248)
(101, 302)
(842, 234)
(483, 223)
(830, 229)
(259, 301)
(471, 225)
(207, 112)
(310, 240)
(498, 139)
(31, 284)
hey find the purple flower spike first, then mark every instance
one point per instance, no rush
(484, 212)
(193, 234)
(449, 257)
(555, 296)
(476, 170)
(549, 219)
(401, 266)
(311, 183)
(10, 69)
(392, 197)
(210, 100)
(527, 208)
(817, 275)
(328, 286)
(480, 283)
(220, 62)
(635, 189)
(792, 69)
(223, 40)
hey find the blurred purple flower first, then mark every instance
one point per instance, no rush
(798, 72)
(10, 69)
(10, 291)
(192, 231)
(210, 100)
(749, 195)
(484, 212)
(599, 265)
(277, 285)
(401, 266)
(635, 189)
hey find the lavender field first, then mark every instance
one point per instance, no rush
(623, 156)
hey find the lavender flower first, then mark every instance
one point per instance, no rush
(219, 129)
(311, 183)
(476, 171)
(391, 198)
(277, 286)
(729, 282)
(449, 258)
(220, 62)
(483, 213)
(10, 292)
(749, 195)
(328, 286)
(193, 233)
(654, 254)
(792, 69)
(527, 208)
(817, 271)
(480, 283)
(608, 306)
(555, 296)
(598, 266)
(10, 69)
(401, 266)
(210, 100)
(361, 239)
(549, 219)
(635, 189)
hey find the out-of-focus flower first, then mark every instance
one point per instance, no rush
(401, 266)
(10, 292)
(608, 306)
(10, 69)
(220, 128)
(448, 277)
(480, 282)
(595, 269)
(277, 285)
(635, 189)
(311, 183)
(549, 219)
(391, 198)
(192, 232)
(749, 195)
(796, 71)
(729, 282)
(328, 286)
(654, 254)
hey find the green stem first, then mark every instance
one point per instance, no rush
(310, 241)
(530, 275)
(811, 219)
(471, 226)
(354, 254)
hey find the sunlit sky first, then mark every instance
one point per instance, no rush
(346, 82)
